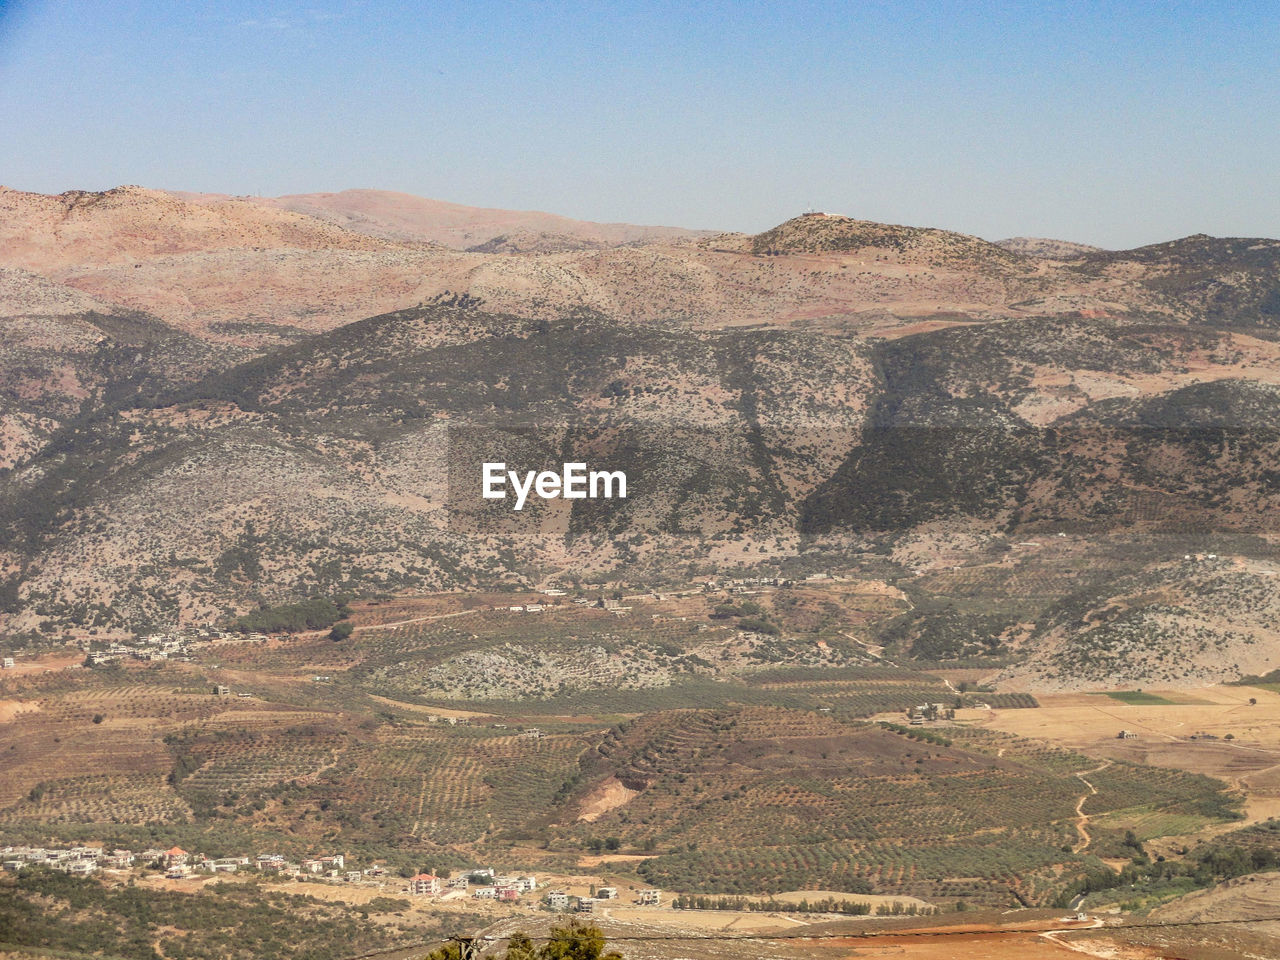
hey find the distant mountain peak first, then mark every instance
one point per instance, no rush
(818, 232)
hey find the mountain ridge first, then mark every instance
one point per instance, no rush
(402, 216)
(194, 423)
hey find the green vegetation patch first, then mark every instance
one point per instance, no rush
(316, 614)
(1138, 698)
(1150, 822)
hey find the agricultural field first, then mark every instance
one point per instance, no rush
(811, 799)
(1229, 733)
(707, 748)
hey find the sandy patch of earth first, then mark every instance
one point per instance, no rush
(57, 661)
(11, 708)
(421, 708)
(607, 858)
(608, 796)
(724, 920)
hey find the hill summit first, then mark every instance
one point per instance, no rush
(832, 233)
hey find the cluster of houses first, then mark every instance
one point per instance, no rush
(163, 650)
(524, 608)
(608, 603)
(481, 884)
(81, 861)
(486, 885)
(561, 902)
(525, 733)
(156, 646)
(177, 863)
(620, 606)
(731, 582)
(161, 646)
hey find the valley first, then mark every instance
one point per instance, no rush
(941, 601)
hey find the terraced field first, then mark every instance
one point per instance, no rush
(809, 799)
(454, 787)
(103, 798)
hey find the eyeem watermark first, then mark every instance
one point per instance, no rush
(574, 482)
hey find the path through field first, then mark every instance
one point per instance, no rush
(1106, 951)
(403, 623)
(1082, 818)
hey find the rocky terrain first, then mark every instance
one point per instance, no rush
(212, 402)
(1047, 248)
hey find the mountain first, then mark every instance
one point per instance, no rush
(248, 273)
(211, 403)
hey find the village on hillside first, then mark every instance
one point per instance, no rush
(479, 883)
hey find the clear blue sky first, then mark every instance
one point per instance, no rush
(1110, 123)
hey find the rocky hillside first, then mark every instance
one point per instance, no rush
(1082, 422)
(1046, 248)
(214, 402)
(350, 461)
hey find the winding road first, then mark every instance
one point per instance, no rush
(1082, 818)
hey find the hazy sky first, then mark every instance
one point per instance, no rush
(1109, 123)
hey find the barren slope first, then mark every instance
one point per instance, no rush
(402, 216)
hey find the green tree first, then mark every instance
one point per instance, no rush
(521, 947)
(574, 941)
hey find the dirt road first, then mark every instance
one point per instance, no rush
(1082, 818)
